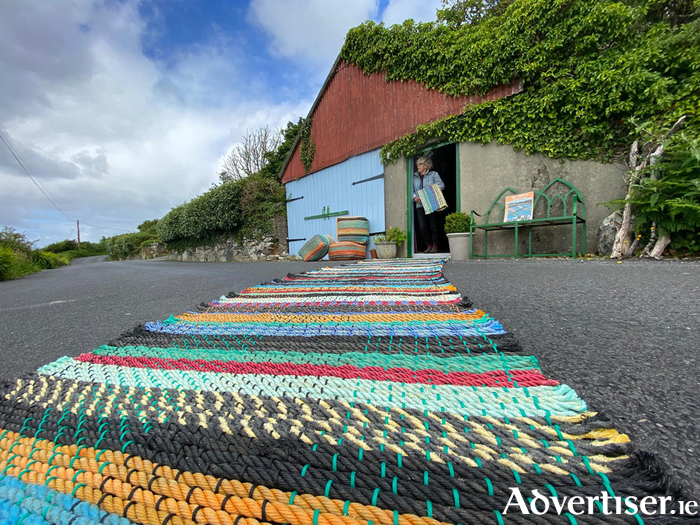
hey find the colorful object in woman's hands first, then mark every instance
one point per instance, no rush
(432, 199)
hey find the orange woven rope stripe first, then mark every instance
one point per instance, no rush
(147, 493)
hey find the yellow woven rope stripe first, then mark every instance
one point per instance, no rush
(400, 426)
(331, 318)
(76, 470)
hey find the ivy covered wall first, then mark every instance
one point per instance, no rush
(590, 69)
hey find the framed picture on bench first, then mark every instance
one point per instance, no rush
(518, 207)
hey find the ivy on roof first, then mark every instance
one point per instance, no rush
(589, 68)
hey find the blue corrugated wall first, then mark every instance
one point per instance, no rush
(332, 187)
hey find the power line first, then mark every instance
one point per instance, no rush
(20, 161)
(30, 176)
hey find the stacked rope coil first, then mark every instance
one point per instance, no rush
(367, 394)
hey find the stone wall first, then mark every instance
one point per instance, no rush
(152, 251)
(271, 247)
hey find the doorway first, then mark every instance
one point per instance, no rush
(446, 164)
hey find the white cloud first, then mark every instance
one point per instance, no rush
(311, 30)
(419, 10)
(115, 136)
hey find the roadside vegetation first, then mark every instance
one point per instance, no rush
(19, 256)
(247, 198)
(129, 245)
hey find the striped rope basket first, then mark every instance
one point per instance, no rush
(316, 248)
(432, 199)
(346, 250)
(353, 229)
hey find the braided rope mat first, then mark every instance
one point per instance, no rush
(365, 394)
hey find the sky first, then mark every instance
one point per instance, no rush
(122, 109)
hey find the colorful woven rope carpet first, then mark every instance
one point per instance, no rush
(365, 394)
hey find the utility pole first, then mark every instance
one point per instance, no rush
(78, 234)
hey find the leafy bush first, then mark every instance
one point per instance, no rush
(261, 200)
(394, 234)
(7, 262)
(69, 249)
(126, 245)
(457, 223)
(61, 246)
(670, 198)
(204, 219)
(20, 265)
(15, 240)
(47, 260)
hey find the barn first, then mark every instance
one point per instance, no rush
(336, 170)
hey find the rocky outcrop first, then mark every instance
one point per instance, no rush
(606, 232)
(152, 251)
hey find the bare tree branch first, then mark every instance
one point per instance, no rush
(248, 158)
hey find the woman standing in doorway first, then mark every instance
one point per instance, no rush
(428, 224)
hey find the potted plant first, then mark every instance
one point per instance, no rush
(388, 244)
(457, 230)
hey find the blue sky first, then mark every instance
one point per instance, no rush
(122, 109)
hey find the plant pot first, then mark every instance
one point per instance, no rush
(459, 245)
(386, 250)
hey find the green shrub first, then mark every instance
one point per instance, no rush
(69, 248)
(671, 197)
(457, 223)
(61, 246)
(261, 200)
(63, 260)
(22, 266)
(204, 219)
(7, 262)
(46, 260)
(16, 241)
(125, 245)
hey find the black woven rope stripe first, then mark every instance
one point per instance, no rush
(315, 415)
(437, 347)
(322, 455)
(478, 504)
(192, 443)
(38, 389)
(475, 504)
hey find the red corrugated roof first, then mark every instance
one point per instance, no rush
(355, 113)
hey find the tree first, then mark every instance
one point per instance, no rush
(456, 13)
(642, 159)
(250, 156)
(275, 159)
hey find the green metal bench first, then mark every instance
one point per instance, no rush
(572, 215)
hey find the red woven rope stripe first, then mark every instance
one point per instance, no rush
(496, 378)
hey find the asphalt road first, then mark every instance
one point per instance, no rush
(625, 336)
